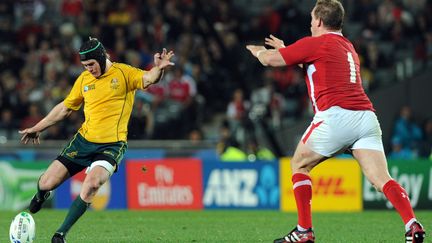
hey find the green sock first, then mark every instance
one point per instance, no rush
(76, 210)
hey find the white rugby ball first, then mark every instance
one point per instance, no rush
(22, 229)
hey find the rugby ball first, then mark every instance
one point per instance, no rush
(22, 229)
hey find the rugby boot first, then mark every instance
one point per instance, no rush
(297, 236)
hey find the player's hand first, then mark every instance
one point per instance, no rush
(30, 135)
(274, 42)
(163, 59)
(255, 49)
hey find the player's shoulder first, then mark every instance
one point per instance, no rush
(120, 65)
(313, 40)
(85, 75)
(123, 66)
(335, 40)
(311, 43)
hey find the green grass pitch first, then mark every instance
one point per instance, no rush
(216, 226)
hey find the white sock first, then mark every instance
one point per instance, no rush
(301, 228)
(408, 225)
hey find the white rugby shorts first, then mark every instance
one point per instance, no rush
(335, 130)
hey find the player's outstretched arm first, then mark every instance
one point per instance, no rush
(58, 113)
(274, 42)
(161, 61)
(267, 57)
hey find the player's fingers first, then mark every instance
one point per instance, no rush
(274, 37)
(272, 44)
(167, 64)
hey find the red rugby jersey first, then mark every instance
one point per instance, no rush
(332, 71)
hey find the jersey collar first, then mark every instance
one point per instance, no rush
(335, 33)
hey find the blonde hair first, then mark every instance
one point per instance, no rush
(331, 13)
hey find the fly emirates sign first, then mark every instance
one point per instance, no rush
(165, 184)
(165, 192)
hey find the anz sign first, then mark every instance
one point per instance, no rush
(241, 185)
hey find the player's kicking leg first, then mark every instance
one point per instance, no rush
(374, 166)
(50, 179)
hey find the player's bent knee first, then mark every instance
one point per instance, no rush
(90, 188)
(47, 182)
(302, 166)
(94, 182)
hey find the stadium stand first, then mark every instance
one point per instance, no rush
(39, 40)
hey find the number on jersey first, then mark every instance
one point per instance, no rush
(352, 67)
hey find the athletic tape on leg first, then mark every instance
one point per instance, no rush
(103, 163)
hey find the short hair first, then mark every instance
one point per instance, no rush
(331, 12)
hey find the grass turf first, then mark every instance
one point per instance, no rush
(216, 226)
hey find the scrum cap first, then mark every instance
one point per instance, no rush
(93, 49)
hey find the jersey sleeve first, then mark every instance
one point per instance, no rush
(135, 77)
(302, 51)
(75, 98)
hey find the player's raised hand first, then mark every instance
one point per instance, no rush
(29, 135)
(163, 59)
(274, 42)
(255, 49)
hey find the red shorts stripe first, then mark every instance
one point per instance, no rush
(313, 126)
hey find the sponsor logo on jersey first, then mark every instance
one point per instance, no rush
(89, 87)
(115, 83)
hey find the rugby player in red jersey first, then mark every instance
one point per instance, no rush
(344, 116)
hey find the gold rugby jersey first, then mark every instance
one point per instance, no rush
(108, 102)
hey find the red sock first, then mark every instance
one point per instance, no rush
(399, 198)
(302, 186)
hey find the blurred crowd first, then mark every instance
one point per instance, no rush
(411, 139)
(213, 74)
